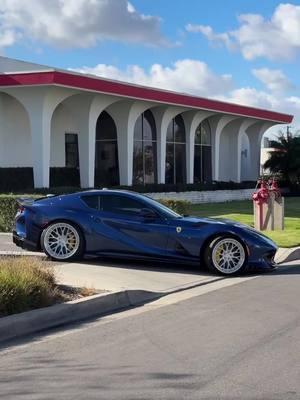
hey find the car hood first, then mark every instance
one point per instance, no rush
(198, 221)
(228, 223)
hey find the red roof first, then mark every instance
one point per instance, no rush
(96, 84)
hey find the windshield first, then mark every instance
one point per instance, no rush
(166, 211)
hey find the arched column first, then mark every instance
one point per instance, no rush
(86, 110)
(125, 114)
(246, 124)
(222, 170)
(255, 134)
(15, 136)
(40, 103)
(192, 120)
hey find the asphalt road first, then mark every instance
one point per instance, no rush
(237, 342)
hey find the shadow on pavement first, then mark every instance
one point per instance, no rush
(159, 266)
(287, 270)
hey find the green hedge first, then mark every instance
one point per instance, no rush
(8, 209)
(178, 206)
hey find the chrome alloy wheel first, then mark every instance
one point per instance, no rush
(61, 240)
(228, 255)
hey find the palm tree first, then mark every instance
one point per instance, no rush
(285, 159)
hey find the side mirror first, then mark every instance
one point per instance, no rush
(147, 214)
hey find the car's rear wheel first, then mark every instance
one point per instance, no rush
(62, 241)
(226, 255)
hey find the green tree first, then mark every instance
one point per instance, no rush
(285, 160)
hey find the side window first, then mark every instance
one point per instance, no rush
(121, 205)
(92, 201)
(71, 150)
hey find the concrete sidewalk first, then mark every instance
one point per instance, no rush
(124, 275)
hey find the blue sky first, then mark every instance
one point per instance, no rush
(241, 51)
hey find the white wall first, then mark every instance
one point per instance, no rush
(212, 196)
(62, 122)
(245, 159)
(15, 137)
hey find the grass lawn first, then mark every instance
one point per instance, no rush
(242, 211)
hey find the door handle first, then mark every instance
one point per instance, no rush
(96, 219)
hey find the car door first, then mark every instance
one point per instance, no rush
(121, 227)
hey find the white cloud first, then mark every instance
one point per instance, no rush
(7, 38)
(80, 23)
(190, 76)
(207, 31)
(276, 38)
(274, 79)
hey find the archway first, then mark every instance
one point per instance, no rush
(176, 151)
(145, 150)
(203, 153)
(106, 151)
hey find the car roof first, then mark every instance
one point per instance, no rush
(110, 191)
(131, 193)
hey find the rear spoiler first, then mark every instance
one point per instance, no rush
(28, 201)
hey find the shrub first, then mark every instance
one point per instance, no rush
(25, 284)
(178, 206)
(8, 209)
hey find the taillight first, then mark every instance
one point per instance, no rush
(21, 209)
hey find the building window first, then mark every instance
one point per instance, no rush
(106, 154)
(145, 150)
(203, 156)
(176, 151)
(71, 149)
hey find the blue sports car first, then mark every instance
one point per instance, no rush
(125, 224)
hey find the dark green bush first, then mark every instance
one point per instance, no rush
(8, 209)
(178, 206)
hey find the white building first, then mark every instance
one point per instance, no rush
(123, 133)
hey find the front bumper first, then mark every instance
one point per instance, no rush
(23, 242)
(265, 263)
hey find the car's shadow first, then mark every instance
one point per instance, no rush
(287, 269)
(147, 265)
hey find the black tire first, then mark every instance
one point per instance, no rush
(234, 261)
(71, 238)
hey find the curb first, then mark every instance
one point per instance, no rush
(284, 255)
(15, 253)
(19, 325)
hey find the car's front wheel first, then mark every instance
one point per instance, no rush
(226, 255)
(62, 241)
